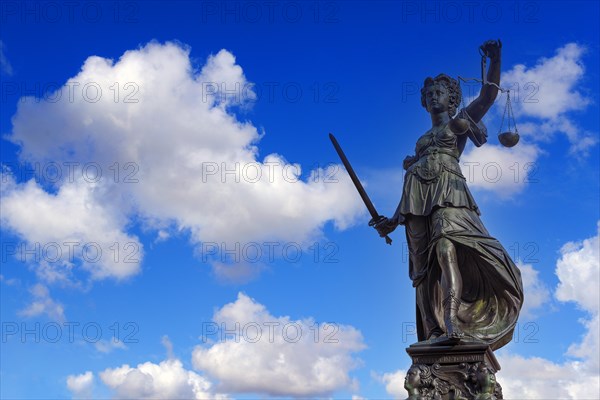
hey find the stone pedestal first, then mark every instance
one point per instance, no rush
(447, 372)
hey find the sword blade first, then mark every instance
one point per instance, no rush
(359, 187)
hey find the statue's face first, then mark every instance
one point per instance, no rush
(437, 98)
(413, 379)
(486, 379)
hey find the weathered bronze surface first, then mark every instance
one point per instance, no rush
(468, 290)
(452, 372)
(467, 287)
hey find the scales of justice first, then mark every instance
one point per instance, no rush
(468, 290)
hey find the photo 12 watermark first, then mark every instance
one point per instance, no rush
(269, 252)
(524, 92)
(69, 332)
(270, 92)
(71, 251)
(469, 12)
(269, 332)
(270, 12)
(493, 172)
(69, 12)
(71, 92)
(525, 252)
(267, 171)
(72, 171)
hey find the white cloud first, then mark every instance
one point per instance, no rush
(538, 378)
(237, 272)
(537, 294)
(394, 383)
(578, 271)
(107, 346)
(167, 380)
(72, 227)
(278, 356)
(554, 80)
(502, 171)
(5, 66)
(547, 93)
(283, 357)
(168, 347)
(81, 385)
(42, 303)
(174, 139)
(9, 281)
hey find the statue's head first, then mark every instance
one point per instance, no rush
(418, 376)
(483, 378)
(441, 93)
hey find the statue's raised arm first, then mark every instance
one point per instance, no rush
(489, 89)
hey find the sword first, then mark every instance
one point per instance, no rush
(376, 218)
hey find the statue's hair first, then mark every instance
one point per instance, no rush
(425, 374)
(473, 370)
(451, 84)
(472, 378)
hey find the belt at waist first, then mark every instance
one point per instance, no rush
(439, 151)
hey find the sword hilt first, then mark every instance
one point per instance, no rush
(374, 221)
(361, 190)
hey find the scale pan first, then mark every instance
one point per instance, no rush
(508, 139)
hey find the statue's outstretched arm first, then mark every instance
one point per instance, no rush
(480, 106)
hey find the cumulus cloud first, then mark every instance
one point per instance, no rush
(260, 354)
(278, 356)
(394, 383)
(237, 272)
(537, 293)
(553, 80)
(167, 380)
(538, 378)
(107, 346)
(577, 270)
(500, 170)
(81, 385)
(70, 227)
(43, 304)
(150, 139)
(547, 93)
(5, 66)
(9, 281)
(579, 377)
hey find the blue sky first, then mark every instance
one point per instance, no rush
(162, 99)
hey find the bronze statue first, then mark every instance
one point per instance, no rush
(467, 287)
(468, 290)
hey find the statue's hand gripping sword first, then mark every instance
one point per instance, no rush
(376, 218)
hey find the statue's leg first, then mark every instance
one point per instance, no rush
(451, 282)
(418, 238)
